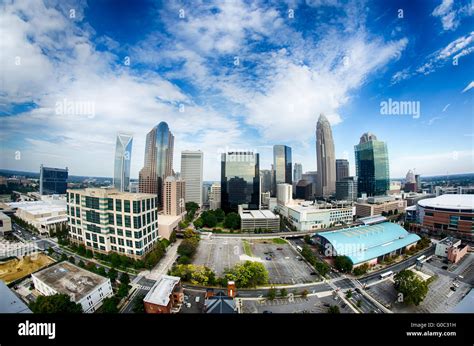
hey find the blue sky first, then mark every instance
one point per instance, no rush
(232, 75)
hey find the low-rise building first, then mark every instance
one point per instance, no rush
(10, 303)
(82, 286)
(259, 219)
(220, 302)
(165, 297)
(5, 224)
(45, 215)
(167, 224)
(379, 205)
(451, 248)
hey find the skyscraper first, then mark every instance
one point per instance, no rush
(297, 172)
(372, 167)
(282, 165)
(266, 176)
(123, 156)
(342, 169)
(240, 180)
(174, 191)
(191, 173)
(346, 189)
(325, 157)
(53, 180)
(158, 161)
(215, 196)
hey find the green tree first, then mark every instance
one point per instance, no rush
(50, 251)
(72, 259)
(184, 260)
(307, 239)
(57, 303)
(123, 290)
(283, 292)
(220, 215)
(63, 257)
(112, 274)
(198, 223)
(349, 293)
(124, 279)
(334, 309)
(101, 271)
(322, 268)
(360, 270)
(188, 247)
(81, 250)
(138, 306)
(414, 289)
(209, 219)
(109, 305)
(247, 274)
(271, 293)
(173, 237)
(81, 264)
(343, 264)
(232, 221)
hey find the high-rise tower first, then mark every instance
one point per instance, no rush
(123, 156)
(282, 165)
(326, 159)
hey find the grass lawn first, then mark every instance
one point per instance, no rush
(279, 241)
(247, 248)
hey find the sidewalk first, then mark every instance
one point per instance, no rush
(163, 265)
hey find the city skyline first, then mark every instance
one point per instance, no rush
(204, 86)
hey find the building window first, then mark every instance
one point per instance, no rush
(136, 207)
(118, 219)
(111, 219)
(118, 205)
(92, 202)
(127, 221)
(126, 205)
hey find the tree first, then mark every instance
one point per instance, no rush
(89, 254)
(81, 250)
(109, 305)
(343, 264)
(188, 247)
(72, 259)
(124, 279)
(271, 293)
(184, 260)
(101, 271)
(304, 293)
(307, 239)
(220, 215)
(63, 257)
(81, 264)
(283, 292)
(414, 289)
(209, 219)
(138, 306)
(247, 274)
(349, 293)
(360, 270)
(232, 221)
(334, 309)
(173, 237)
(112, 274)
(50, 251)
(57, 303)
(123, 290)
(114, 259)
(322, 268)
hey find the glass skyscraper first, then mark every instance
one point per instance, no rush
(372, 169)
(123, 156)
(326, 158)
(53, 180)
(282, 165)
(342, 169)
(158, 161)
(240, 180)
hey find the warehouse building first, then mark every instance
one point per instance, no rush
(259, 219)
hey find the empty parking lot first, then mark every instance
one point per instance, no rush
(279, 258)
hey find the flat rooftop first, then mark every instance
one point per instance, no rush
(168, 219)
(364, 243)
(161, 291)
(449, 241)
(109, 192)
(257, 214)
(10, 303)
(67, 278)
(461, 202)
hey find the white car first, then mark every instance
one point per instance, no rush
(197, 299)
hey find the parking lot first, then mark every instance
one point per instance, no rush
(310, 304)
(283, 263)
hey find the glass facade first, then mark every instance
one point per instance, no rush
(53, 180)
(282, 165)
(240, 180)
(123, 153)
(372, 168)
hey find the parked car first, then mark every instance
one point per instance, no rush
(312, 273)
(444, 267)
(267, 312)
(453, 288)
(279, 248)
(268, 258)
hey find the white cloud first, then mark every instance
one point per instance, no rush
(451, 13)
(468, 87)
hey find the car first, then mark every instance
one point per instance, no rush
(343, 305)
(460, 276)
(267, 312)
(268, 258)
(455, 285)
(327, 305)
(188, 305)
(453, 288)
(444, 267)
(279, 248)
(313, 273)
(197, 299)
(300, 259)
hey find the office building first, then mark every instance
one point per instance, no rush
(5, 224)
(106, 220)
(158, 161)
(123, 157)
(312, 177)
(191, 173)
(240, 181)
(410, 182)
(53, 181)
(282, 165)
(284, 194)
(206, 187)
(165, 297)
(215, 196)
(342, 169)
(304, 190)
(326, 159)
(380, 205)
(82, 286)
(297, 172)
(372, 169)
(174, 197)
(346, 189)
(451, 190)
(266, 180)
(368, 244)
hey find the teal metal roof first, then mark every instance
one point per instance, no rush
(365, 243)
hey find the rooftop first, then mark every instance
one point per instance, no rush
(461, 202)
(168, 219)
(220, 304)
(67, 278)
(449, 241)
(364, 243)
(10, 303)
(110, 192)
(161, 291)
(40, 207)
(258, 214)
